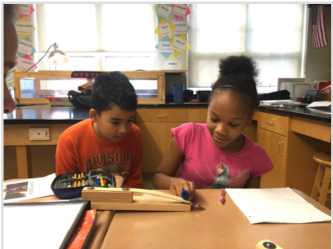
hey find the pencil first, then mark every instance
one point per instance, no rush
(101, 179)
(222, 200)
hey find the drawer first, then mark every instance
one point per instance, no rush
(274, 123)
(161, 115)
(197, 115)
(255, 115)
(311, 128)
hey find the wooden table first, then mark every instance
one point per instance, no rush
(219, 226)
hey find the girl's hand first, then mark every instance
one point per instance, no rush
(179, 184)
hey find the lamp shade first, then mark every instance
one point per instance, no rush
(58, 57)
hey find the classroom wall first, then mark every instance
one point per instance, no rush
(318, 61)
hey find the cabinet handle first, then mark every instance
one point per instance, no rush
(270, 123)
(161, 116)
(279, 147)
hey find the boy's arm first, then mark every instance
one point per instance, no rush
(66, 161)
(134, 178)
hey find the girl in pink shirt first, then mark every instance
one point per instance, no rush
(216, 154)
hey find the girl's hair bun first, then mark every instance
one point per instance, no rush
(238, 65)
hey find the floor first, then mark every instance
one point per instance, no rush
(147, 180)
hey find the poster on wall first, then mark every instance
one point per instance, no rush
(180, 10)
(182, 26)
(164, 47)
(165, 28)
(179, 44)
(163, 11)
(172, 63)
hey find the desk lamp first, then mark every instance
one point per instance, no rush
(56, 57)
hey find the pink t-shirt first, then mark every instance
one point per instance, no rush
(210, 167)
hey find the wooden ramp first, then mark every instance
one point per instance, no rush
(133, 199)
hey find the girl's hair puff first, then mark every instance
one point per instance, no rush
(238, 75)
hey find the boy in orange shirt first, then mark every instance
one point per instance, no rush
(108, 141)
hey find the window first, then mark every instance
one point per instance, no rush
(270, 33)
(98, 37)
(34, 87)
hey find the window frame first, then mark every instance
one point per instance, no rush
(159, 76)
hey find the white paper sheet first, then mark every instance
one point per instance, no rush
(165, 29)
(25, 64)
(25, 9)
(180, 10)
(10, 75)
(275, 205)
(320, 104)
(179, 44)
(39, 226)
(24, 27)
(181, 27)
(25, 47)
(28, 189)
(164, 47)
(164, 11)
(173, 65)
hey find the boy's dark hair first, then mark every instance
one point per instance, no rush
(9, 12)
(237, 74)
(110, 89)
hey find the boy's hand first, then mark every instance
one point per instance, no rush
(179, 184)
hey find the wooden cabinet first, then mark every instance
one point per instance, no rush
(272, 136)
(156, 124)
(290, 142)
(275, 146)
(156, 139)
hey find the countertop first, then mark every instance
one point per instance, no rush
(45, 114)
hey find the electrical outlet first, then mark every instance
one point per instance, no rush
(39, 134)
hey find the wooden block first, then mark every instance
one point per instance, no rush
(107, 196)
(144, 203)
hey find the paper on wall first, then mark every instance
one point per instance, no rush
(10, 75)
(173, 65)
(25, 47)
(164, 11)
(165, 29)
(181, 27)
(180, 10)
(24, 27)
(179, 44)
(25, 9)
(164, 47)
(24, 64)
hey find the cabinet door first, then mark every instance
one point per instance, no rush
(276, 147)
(156, 141)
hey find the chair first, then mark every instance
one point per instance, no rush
(322, 182)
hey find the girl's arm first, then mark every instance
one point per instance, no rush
(164, 175)
(253, 182)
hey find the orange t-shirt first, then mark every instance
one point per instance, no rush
(79, 149)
